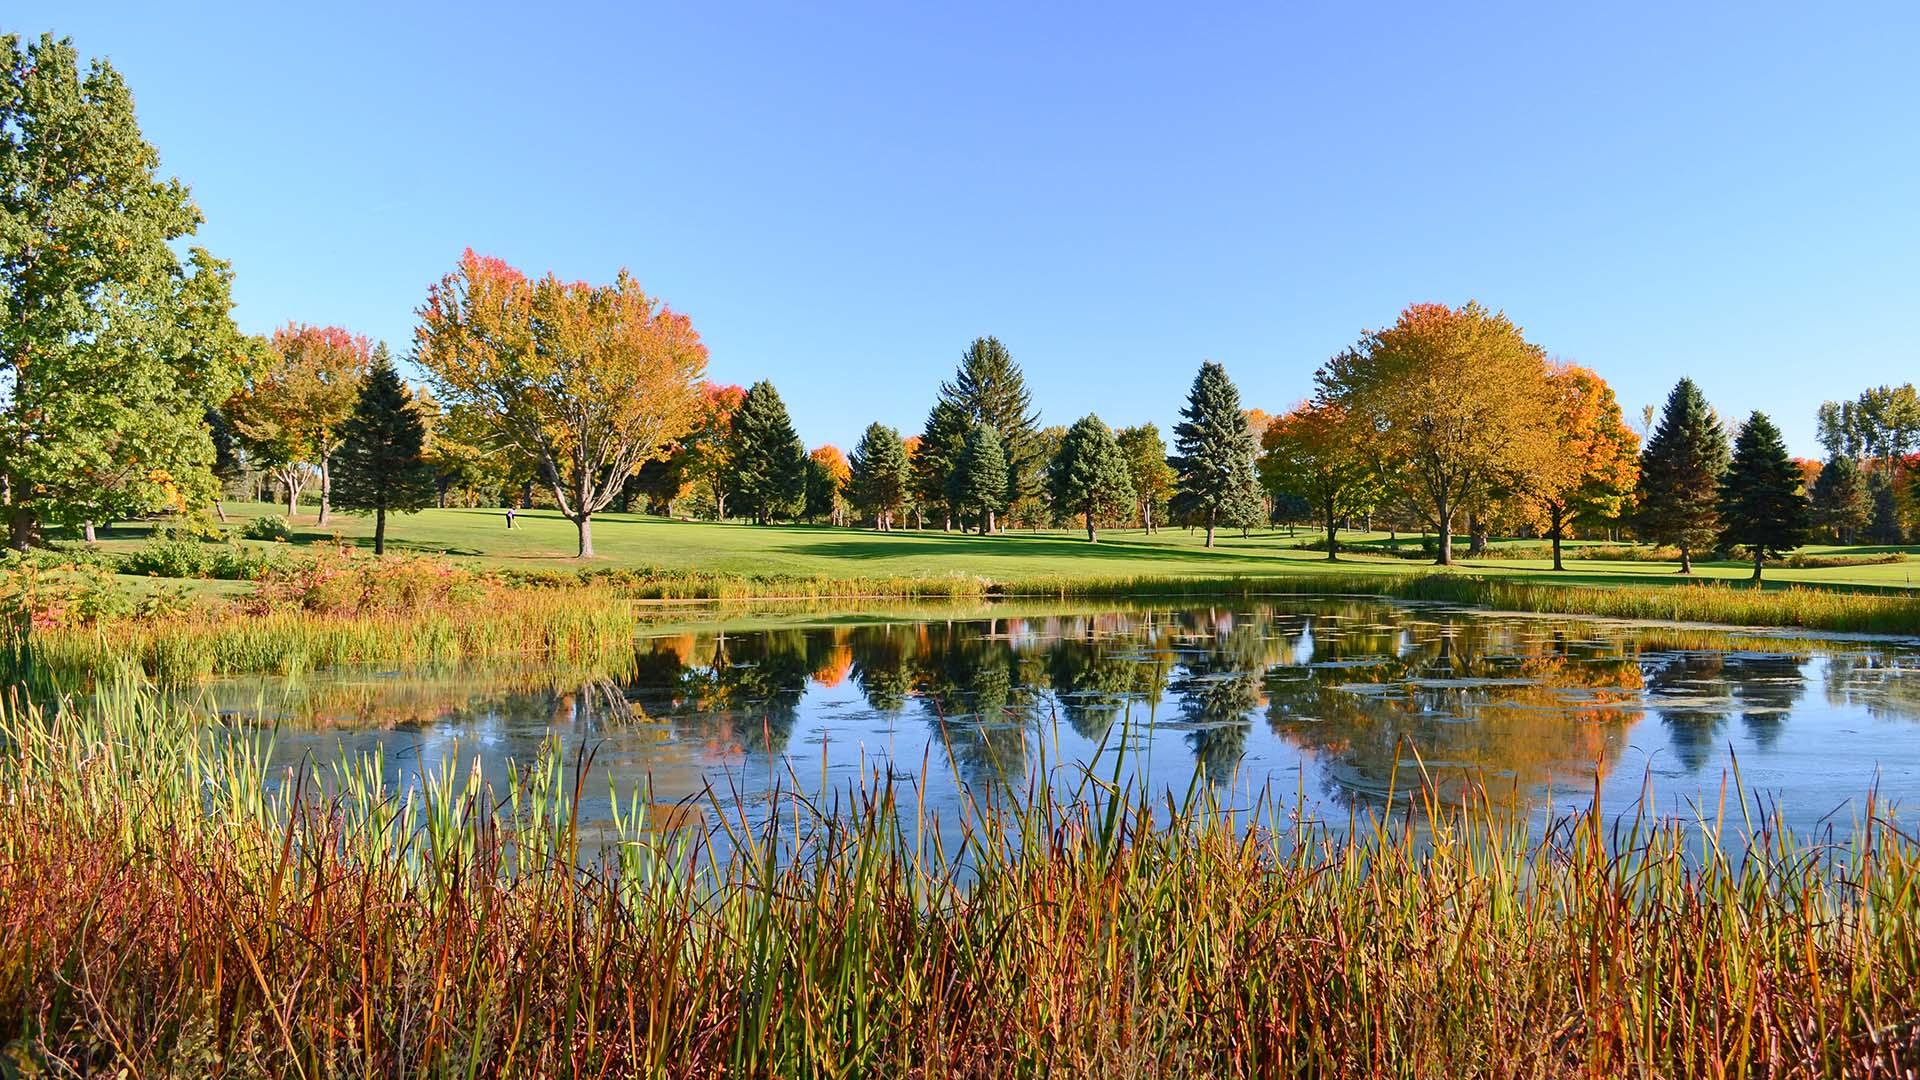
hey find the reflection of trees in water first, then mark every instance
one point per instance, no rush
(1218, 688)
(1091, 682)
(1885, 684)
(1765, 689)
(734, 692)
(880, 666)
(974, 701)
(1689, 690)
(1506, 705)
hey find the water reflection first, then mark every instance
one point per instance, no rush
(1350, 703)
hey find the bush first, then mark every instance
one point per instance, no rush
(189, 559)
(342, 583)
(197, 527)
(269, 527)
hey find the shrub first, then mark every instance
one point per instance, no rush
(187, 559)
(268, 527)
(195, 527)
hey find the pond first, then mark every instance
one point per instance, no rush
(1329, 706)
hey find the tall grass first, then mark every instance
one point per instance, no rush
(167, 912)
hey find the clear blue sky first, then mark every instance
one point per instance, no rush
(843, 198)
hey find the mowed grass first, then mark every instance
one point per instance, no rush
(543, 540)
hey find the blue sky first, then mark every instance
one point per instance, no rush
(843, 198)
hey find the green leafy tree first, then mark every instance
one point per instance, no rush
(1680, 470)
(1147, 469)
(1088, 476)
(1213, 460)
(1316, 454)
(979, 483)
(990, 389)
(1762, 508)
(942, 440)
(112, 348)
(881, 481)
(766, 463)
(1841, 501)
(381, 466)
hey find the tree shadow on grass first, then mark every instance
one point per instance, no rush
(896, 545)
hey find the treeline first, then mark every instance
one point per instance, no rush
(131, 392)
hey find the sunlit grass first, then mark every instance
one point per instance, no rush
(170, 911)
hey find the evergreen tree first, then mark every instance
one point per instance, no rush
(1680, 473)
(1762, 507)
(1840, 499)
(979, 482)
(1885, 527)
(766, 462)
(990, 389)
(381, 465)
(880, 475)
(941, 441)
(1088, 475)
(820, 490)
(1148, 470)
(1214, 453)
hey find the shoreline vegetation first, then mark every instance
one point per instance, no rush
(169, 902)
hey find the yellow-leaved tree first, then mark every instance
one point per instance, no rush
(588, 382)
(1455, 404)
(1592, 473)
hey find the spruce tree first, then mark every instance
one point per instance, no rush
(1840, 499)
(941, 442)
(1885, 526)
(1088, 476)
(990, 389)
(979, 482)
(1213, 453)
(1680, 473)
(766, 464)
(381, 465)
(881, 478)
(1761, 506)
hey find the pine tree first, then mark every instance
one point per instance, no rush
(1762, 507)
(1885, 526)
(820, 490)
(880, 475)
(1088, 476)
(767, 465)
(990, 389)
(1840, 499)
(1680, 473)
(979, 482)
(941, 441)
(1213, 453)
(381, 465)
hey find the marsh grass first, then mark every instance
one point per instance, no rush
(171, 911)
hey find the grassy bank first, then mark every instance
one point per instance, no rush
(164, 915)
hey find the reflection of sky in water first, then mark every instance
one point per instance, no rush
(1328, 705)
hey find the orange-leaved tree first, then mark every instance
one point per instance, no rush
(1318, 453)
(1452, 401)
(828, 475)
(300, 390)
(588, 381)
(1591, 474)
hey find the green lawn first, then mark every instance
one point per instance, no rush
(542, 539)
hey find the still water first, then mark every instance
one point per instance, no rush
(1326, 705)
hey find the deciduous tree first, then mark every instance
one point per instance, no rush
(1316, 453)
(381, 465)
(111, 348)
(1213, 460)
(1088, 475)
(586, 381)
(827, 476)
(1147, 470)
(1680, 470)
(293, 405)
(1762, 508)
(1452, 399)
(1593, 470)
(881, 477)
(766, 463)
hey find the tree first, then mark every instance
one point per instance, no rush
(881, 477)
(826, 483)
(1593, 470)
(979, 482)
(381, 463)
(1840, 499)
(1453, 399)
(111, 348)
(990, 389)
(1213, 451)
(294, 403)
(1147, 470)
(1680, 470)
(1315, 452)
(587, 381)
(942, 440)
(1884, 528)
(1088, 476)
(700, 457)
(766, 464)
(1762, 507)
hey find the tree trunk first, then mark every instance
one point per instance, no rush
(1476, 534)
(293, 500)
(380, 530)
(1446, 533)
(1759, 557)
(1210, 524)
(23, 530)
(1091, 539)
(1146, 515)
(1686, 558)
(1559, 529)
(86, 530)
(1333, 534)
(585, 523)
(219, 511)
(326, 488)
